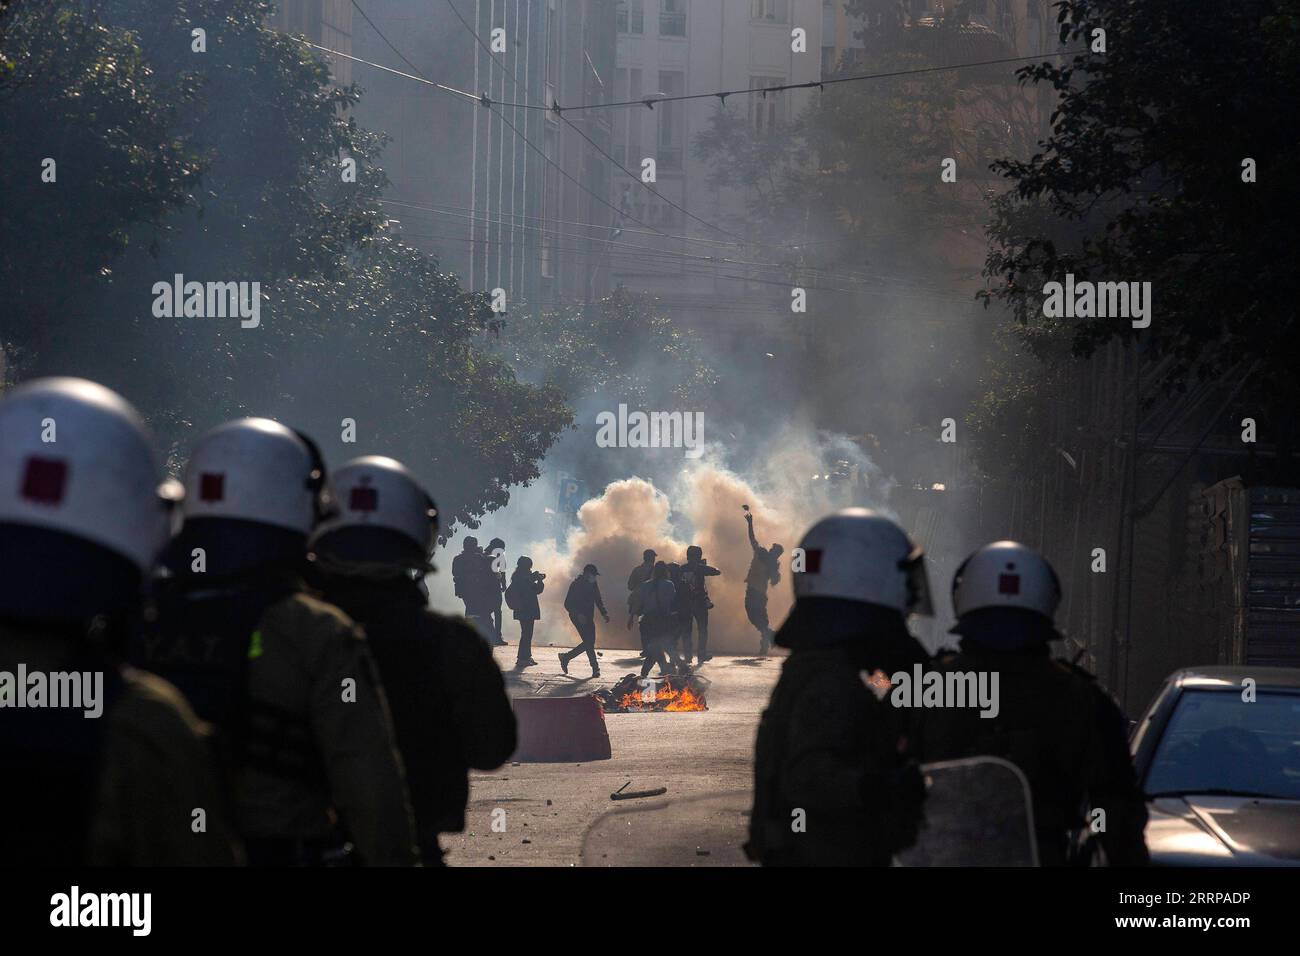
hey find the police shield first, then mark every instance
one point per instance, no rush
(977, 813)
(706, 830)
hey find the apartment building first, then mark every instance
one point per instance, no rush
(506, 195)
(326, 23)
(667, 245)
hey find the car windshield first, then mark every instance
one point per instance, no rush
(1218, 743)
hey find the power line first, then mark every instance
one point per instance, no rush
(651, 102)
(387, 42)
(596, 146)
(386, 69)
(695, 271)
(492, 106)
(721, 95)
(487, 102)
(439, 206)
(644, 250)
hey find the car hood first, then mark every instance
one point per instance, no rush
(1223, 831)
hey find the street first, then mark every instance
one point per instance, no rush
(692, 754)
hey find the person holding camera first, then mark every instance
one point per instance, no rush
(521, 598)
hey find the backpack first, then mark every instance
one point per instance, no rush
(512, 595)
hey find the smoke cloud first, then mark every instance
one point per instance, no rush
(700, 504)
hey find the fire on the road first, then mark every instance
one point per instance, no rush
(670, 695)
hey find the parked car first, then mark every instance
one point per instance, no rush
(1217, 754)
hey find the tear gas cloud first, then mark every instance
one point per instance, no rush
(699, 504)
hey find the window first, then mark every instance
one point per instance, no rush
(671, 121)
(766, 111)
(629, 16)
(773, 11)
(627, 123)
(672, 18)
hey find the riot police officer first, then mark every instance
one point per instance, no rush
(1053, 721)
(305, 736)
(833, 782)
(448, 697)
(125, 777)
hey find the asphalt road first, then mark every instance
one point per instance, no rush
(549, 807)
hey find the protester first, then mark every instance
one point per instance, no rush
(581, 601)
(521, 597)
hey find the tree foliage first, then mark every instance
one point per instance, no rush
(225, 166)
(1141, 179)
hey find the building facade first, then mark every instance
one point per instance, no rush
(669, 246)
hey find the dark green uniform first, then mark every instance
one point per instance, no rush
(827, 747)
(306, 734)
(1067, 736)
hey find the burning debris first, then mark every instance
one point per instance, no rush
(673, 694)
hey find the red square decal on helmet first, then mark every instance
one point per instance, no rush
(812, 563)
(212, 487)
(363, 499)
(1008, 584)
(44, 480)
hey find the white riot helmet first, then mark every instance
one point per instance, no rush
(1006, 574)
(859, 555)
(255, 469)
(76, 458)
(379, 492)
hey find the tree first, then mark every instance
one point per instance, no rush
(89, 162)
(850, 200)
(226, 166)
(1143, 179)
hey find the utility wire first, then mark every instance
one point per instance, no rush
(721, 95)
(689, 270)
(386, 69)
(811, 271)
(492, 105)
(440, 206)
(596, 146)
(487, 102)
